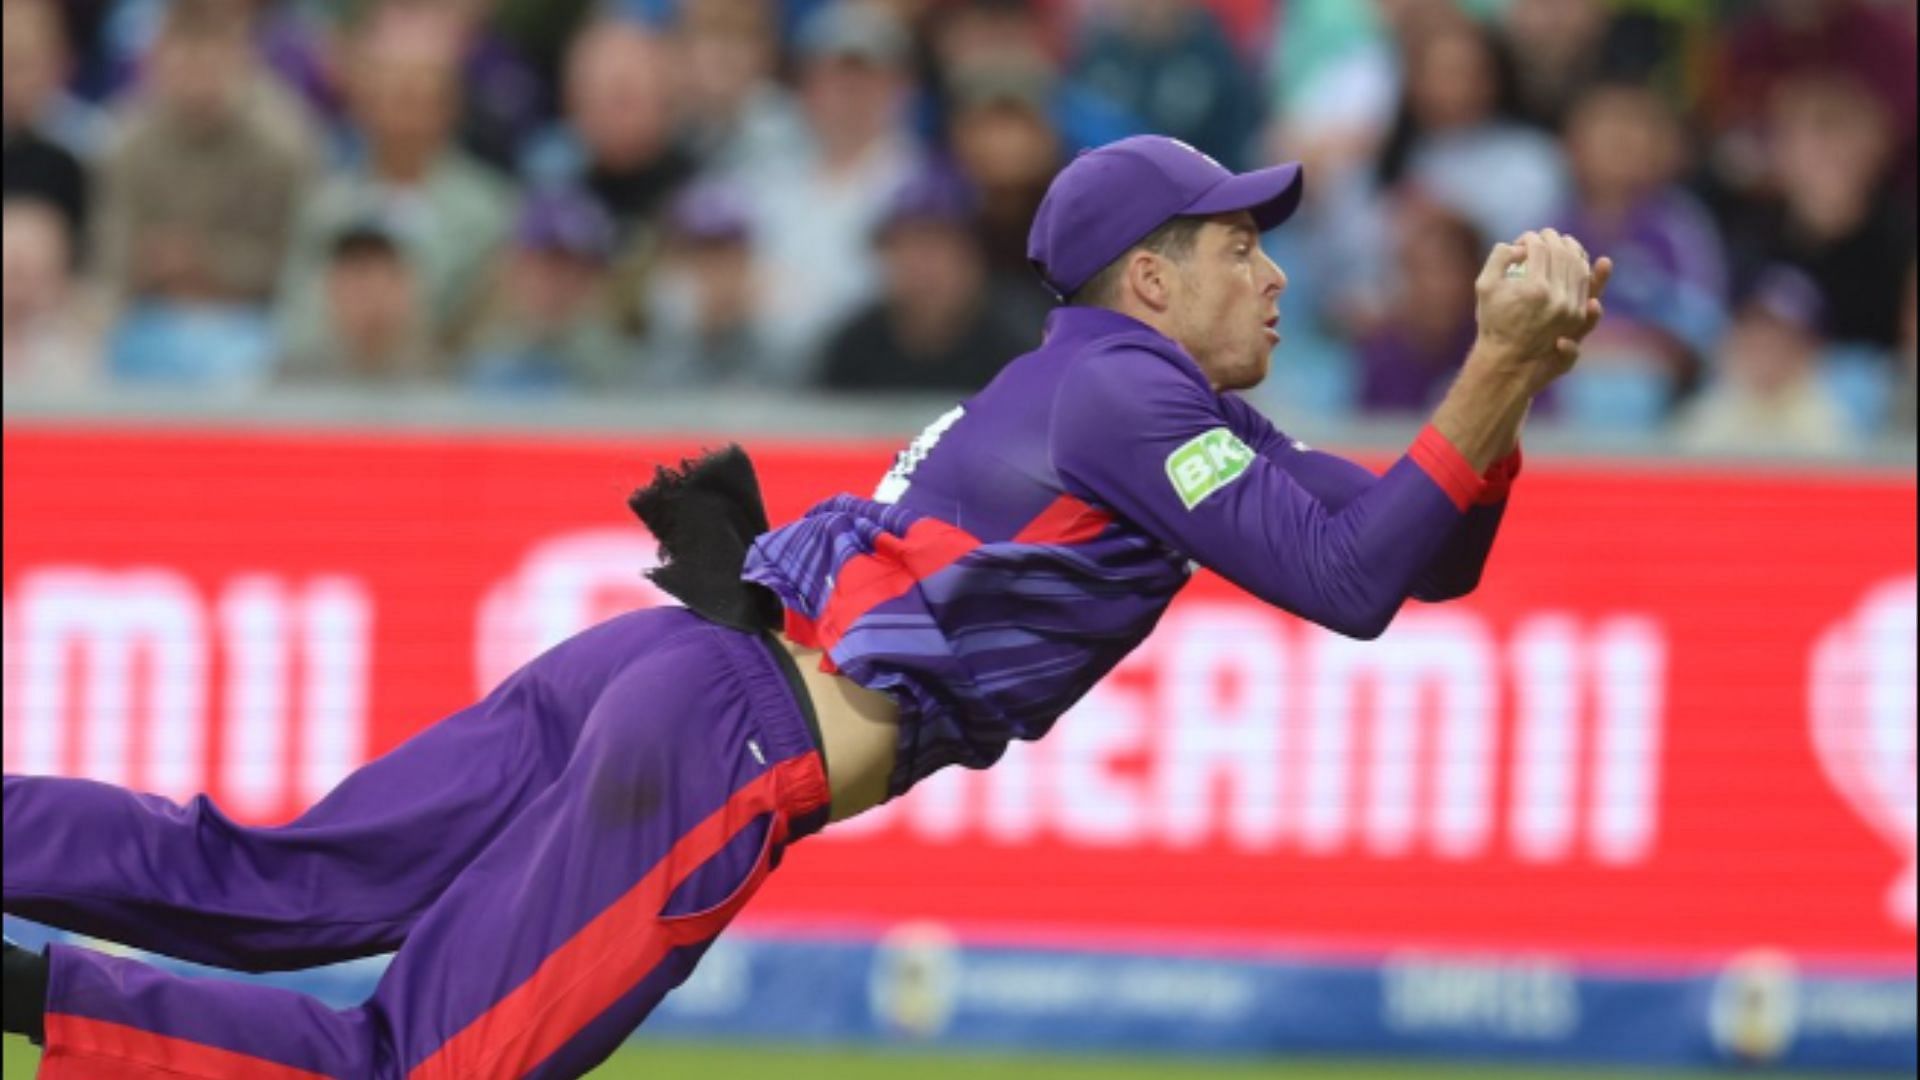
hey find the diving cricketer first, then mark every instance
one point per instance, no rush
(550, 862)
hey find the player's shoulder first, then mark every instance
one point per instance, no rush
(1120, 394)
(1094, 349)
(1252, 425)
(1135, 366)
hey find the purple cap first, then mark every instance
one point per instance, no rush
(568, 222)
(1110, 198)
(710, 211)
(1786, 294)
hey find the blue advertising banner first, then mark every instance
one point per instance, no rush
(920, 985)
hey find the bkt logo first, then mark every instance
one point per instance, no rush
(1206, 463)
(1860, 705)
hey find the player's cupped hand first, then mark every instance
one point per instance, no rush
(1538, 298)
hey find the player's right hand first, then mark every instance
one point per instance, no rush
(1537, 299)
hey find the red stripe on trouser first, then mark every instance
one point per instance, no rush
(82, 1049)
(616, 950)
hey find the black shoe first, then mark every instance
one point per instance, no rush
(25, 998)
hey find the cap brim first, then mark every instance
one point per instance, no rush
(1271, 194)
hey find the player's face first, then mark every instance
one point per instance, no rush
(1226, 307)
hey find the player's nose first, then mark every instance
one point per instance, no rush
(1276, 278)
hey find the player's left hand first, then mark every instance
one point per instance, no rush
(1569, 347)
(1563, 258)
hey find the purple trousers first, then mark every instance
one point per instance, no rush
(548, 864)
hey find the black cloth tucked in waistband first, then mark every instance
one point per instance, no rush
(706, 514)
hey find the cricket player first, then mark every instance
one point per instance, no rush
(551, 861)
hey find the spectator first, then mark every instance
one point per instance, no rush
(736, 112)
(1668, 306)
(197, 196)
(1558, 47)
(1782, 41)
(448, 212)
(503, 97)
(375, 329)
(45, 132)
(1336, 75)
(703, 329)
(1456, 138)
(1561, 47)
(1829, 146)
(1010, 120)
(1009, 153)
(1168, 63)
(619, 140)
(1407, 360)
(934, 327)
(34, 68)
(1337, 82)
(37, 168)
(550, 325)
(1007, 42)
(43, 338)
(813, 214)
(1769, 397)
(971, 34)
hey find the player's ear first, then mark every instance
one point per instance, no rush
(1148, 279)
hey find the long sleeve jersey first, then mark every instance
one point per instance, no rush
(1032, 536)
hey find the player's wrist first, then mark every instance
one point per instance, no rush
(1499, 374)
(1481, 414)
(1497, 351)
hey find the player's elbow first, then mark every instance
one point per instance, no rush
(1365, 622)
(1451, 587)
(1353, 607)
(1363, 630)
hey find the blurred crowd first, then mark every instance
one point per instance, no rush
(629, 196)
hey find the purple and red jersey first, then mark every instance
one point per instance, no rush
(1031, 537)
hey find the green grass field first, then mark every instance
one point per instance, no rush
(673, 1061)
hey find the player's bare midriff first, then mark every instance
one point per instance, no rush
(859, 728)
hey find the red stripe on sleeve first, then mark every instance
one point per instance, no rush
(929, 546)
(1444, 464)
(1499, 479)
(80, 1048)
(801, 630)
(896, 564)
